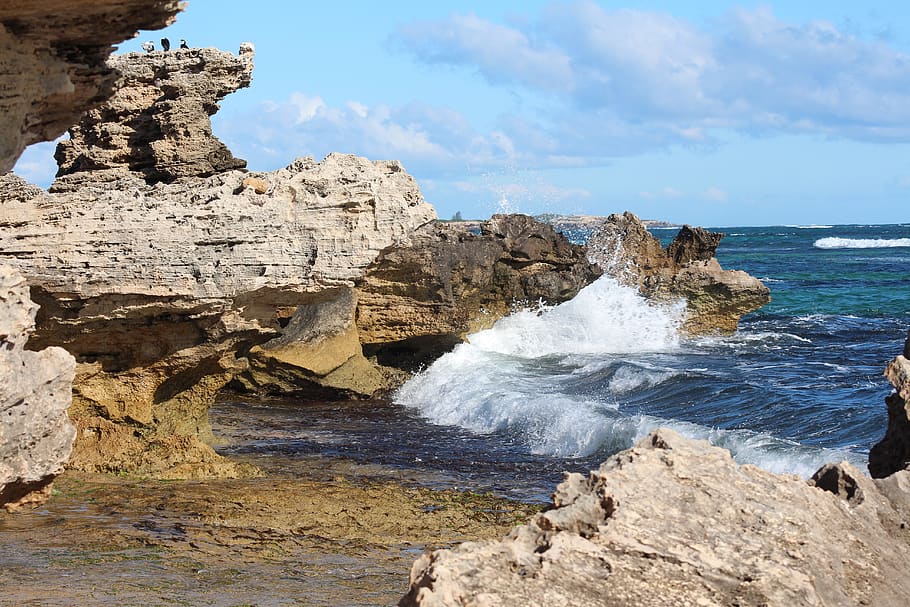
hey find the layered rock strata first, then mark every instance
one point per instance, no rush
(162, 290)
(53, 62)
(892, 453)
(156, 124)
(687, 269)
(678, 522)
(52, 68)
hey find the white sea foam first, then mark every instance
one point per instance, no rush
(861, 243)
(555, 378)
(810, 227)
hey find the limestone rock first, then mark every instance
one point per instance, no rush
(678, 522)
(892, 453)
(157, 124)
(161, 290)
(418, 301)
(52, 62)
(687, 269)
(317, 354)
(36, 436)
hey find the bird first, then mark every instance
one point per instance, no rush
(165, 44)
(183, 43)
(148, 47)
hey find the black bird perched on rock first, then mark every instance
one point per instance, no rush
(165, 44)
(183, 43)
(148, 47)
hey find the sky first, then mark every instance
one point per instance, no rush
(708, 113)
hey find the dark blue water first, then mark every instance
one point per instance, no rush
(798, 385)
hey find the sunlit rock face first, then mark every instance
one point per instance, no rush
(53, 68)
(674, 521)
(53, 62)
(686, 270)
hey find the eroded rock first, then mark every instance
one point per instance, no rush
(892, 453)
(53, 62)
(161, 290)
(687, 269)
(677, 522)
(36, 436)
(156, 126)
(418, 301)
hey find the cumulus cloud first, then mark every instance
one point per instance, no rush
(749, 71)
(37, 164)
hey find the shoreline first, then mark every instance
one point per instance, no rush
(126, 540)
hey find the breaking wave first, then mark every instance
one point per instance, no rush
(570, 380)
(861, 243)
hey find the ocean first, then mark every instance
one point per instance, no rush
(554, 389)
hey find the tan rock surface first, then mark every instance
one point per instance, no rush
(36, 436)
(52, 62)
(687, 269)
(156, 125)
(160, 290)
(678, 522)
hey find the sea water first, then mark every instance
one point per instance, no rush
(799, 384)
(560, 388)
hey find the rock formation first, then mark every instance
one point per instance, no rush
(716, 298)
(160, 277)
(52, 68)
(36, 436)
(417, 301)
(414, 303)
(157, 125)
(678, 522)
(892, 453)
(52, 62)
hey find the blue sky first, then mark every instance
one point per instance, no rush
(710, 113)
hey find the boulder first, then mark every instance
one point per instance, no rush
(687, 269)
(36, 436)
(417, 301)
(677, 522)
(892, 453)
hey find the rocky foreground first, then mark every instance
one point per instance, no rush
(674, 521)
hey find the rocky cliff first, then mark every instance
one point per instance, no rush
(52, 68)
(687, 269)
(36, 436)
(892, 453)
(160, 270)
(678, 522)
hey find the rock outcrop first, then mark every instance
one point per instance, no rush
(36, 436)
(892, 453)
(156, 126)
(53, 62)
(52, 68)
(161, 291)
(678, 522)
(687, 269)
(419, 300)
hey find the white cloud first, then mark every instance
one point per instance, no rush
(676, 80)
(307, 107)
(715, 195)
(499, 52)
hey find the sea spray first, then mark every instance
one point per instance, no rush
(589, 377)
